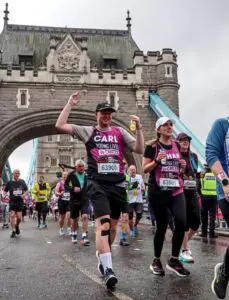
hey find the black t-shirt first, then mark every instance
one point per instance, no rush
(151, 153)
(189, 170)
(16, 190)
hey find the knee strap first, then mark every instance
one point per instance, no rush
(105, 232)
(103, 221)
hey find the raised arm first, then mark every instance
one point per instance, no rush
(61, 123)
(138, 147)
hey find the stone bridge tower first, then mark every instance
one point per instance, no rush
(41, 66)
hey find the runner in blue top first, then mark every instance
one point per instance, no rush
(217, 156)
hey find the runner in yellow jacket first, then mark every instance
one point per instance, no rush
(41, 191)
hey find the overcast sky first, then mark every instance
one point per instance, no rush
(197, 30)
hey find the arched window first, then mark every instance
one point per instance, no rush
(65, 159)
(23, 98)
(113, 99)
(53, 161)
(168, 71)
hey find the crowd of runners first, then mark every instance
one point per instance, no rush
(108, 190)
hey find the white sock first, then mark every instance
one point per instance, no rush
(106, 260)
(84, 234)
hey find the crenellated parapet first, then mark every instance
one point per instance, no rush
(167, 55)
(28, 74)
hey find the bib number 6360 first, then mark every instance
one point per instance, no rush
(108, 168)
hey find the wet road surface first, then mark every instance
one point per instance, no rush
(41, 265)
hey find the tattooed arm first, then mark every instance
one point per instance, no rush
(61, 123)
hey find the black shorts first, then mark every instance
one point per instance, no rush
(15, 207)
(135, 207)
(107, 199)
(76, 208)
(125, 209)
(42, 207)
(63, 206)
(192, 210)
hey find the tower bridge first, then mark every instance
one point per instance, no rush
(41, 66)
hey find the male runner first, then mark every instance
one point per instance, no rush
(75, 183)
(217, 156)
(106, 179)
(17, 189)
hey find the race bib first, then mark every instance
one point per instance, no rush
(108, 168)
(17, 192)
(42, 197)
(169, 183)
(66, 196)
(190, 184)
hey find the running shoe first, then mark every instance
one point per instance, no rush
(74, 238)
(38, 226)
(13, 234)
(85, 241)
(5, 226)
(110, 278)
(69, 231)
(43, 226)
(17, 230)
(220, 282)
(156, 267)
(61, 232)
(176, 266)
(123, 242)
(186, 257)
(100, 266)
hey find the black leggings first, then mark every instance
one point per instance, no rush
(160, 202)
(192, 210)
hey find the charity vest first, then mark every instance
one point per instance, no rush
(105, 155)
(66, 195)
(43, 194)
(168, 175)
(208, 185)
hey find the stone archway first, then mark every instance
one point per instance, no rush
(42, 123)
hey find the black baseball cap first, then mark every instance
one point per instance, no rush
(183, 136)
(105, 106)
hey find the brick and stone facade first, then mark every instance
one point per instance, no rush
(41, 66)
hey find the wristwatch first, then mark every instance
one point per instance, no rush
(225, 181)
(223, 178)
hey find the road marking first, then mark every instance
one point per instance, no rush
(117, 294)
(137, 249)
